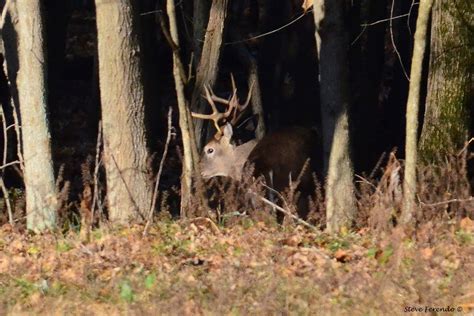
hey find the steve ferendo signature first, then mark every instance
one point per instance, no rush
(432, 309)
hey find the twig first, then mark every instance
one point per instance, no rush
(364, 180)
(286, 212)
(10, 126)
(185, 122)
(377, 165)
(8, 164)
(16, 121)
(386, 20)
(6, 198)
(272, 31)
(299, 220)
(160, 170)
(409, 14)
(6, 195)
(465, 147)
(448, 202)
(364, 27)
(174, 47)
(393, 42)
(96, 197)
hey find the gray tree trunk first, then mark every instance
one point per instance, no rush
(41, 198)
(209, 63)
(332, 47)
(409, 182)
(200, 18)
(129, 190)
(448, 102)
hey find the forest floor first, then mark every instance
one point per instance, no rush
(251, 268)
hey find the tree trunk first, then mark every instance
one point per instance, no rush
(409, 182)
(332, 47)
(251, 63)
(41, 199)
(129, 191)
(448, 102)
(209, 63)
(200, 18)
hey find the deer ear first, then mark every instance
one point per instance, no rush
(228, 132)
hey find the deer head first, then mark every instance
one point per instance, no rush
(221, 157)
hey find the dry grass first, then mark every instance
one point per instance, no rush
(237, 260)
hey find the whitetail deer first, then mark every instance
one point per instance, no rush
(279, 156)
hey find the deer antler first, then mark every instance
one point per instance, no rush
(215, 116)
(232, 104)
(234, 101)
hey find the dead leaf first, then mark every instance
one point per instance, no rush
(292, 241)
(35, 298)
(342, 255)
(467, 225)
(426, 253)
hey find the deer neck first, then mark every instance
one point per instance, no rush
(241, 154)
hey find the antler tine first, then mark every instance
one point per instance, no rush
(215, 116)
(234, 86)
(240, 107)
(249, 95)
(233, 107)
(230, 105)
(209, 94)
(219, 99)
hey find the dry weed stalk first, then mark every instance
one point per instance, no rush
(6, 195)
(381, 200)
(96, 199)
(160, 170)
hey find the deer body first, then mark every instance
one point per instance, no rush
(279, 157)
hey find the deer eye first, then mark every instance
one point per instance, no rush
(210, 151)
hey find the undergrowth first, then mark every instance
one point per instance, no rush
(234, 258)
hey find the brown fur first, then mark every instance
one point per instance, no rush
(284, 153)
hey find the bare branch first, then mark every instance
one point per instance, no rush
(96, 198)
(160, 170)
(393, 42)
(8, 164)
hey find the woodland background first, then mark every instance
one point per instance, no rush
(79, 76)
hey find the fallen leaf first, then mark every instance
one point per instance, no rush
(342, 255)
(292, 241)
(467, 224)
(426, 253)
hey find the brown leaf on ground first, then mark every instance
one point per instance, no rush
(426, 253)
(342, 255)
(467, 225)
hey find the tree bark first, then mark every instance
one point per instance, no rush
(409, 182)
(200, 18)
(251, 63)
(129, 191)
(41, 198)
(209, 63)
(332, 47)
(448, 102)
